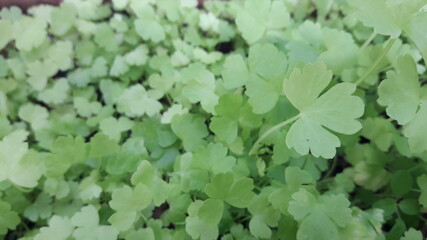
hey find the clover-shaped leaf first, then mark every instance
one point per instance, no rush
(336, 110)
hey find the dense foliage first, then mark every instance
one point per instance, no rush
(257, 119)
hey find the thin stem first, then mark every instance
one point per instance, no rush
(378, 61)
(332, 168)
(143, 217)
(368, 41)
(422, 218)
(25, 226)
(398, 214)
(386, 68)
(416, 167)
(324, 181)
(270, 131)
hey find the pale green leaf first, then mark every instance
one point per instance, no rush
(400, 92)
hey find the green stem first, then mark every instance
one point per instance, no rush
(386, 68)
(25, 226)
(270, 131)
(398, 214)
(143, 217)
(368, 41)
(324, 181)
(422, 218)
(332, 168)
(414, 168)
(378, 61)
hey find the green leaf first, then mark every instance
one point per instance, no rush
(397, 230)
(371, 176)
(61, 55)
(341, 50)
(65, 151)
(260, 16)
(380, 131)
(21, 166)
(35, 115)
(85, 107)
(422, 183)
(389, 17)
(213, 158)
(295, 179)
(416, 130)
(200, 86)
(62, 19)
(171, 112)
(113, 127)
(145, 174)
(416, 29)
(191, 129)
(87, 225)
(6, 30)
(314, 166)
(127, 202)
(149, 29)
(365, 224)
(39, 72)
(235, 73)
(203, 218)
(119, 67)
(268, 66)
(137, 101)
(410, 206)
(336, 110)
(57, 94)
(412, 234)
(263, 217)
(120, 4)
(317, 226)
(375, 14)
(9, 219)
(101, 145)
(138, 56)
(303, 87)
(320, 218)
(401, 182)
(400, 92)
(388, 205)
(41, 208)
(252, 30)
(99, 67)
(29, 33)
(236, 192)
(88, 189)
(225, 128)
(111, 91)
(146, 233)
(105, 37)
(60, 228)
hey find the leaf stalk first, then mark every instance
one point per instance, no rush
(368, 41)
(270, 131)
(378, 61)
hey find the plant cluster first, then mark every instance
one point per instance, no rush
(256, 119)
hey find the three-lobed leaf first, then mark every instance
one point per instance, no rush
(236, 192)
(336, 110)
(400, 92)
